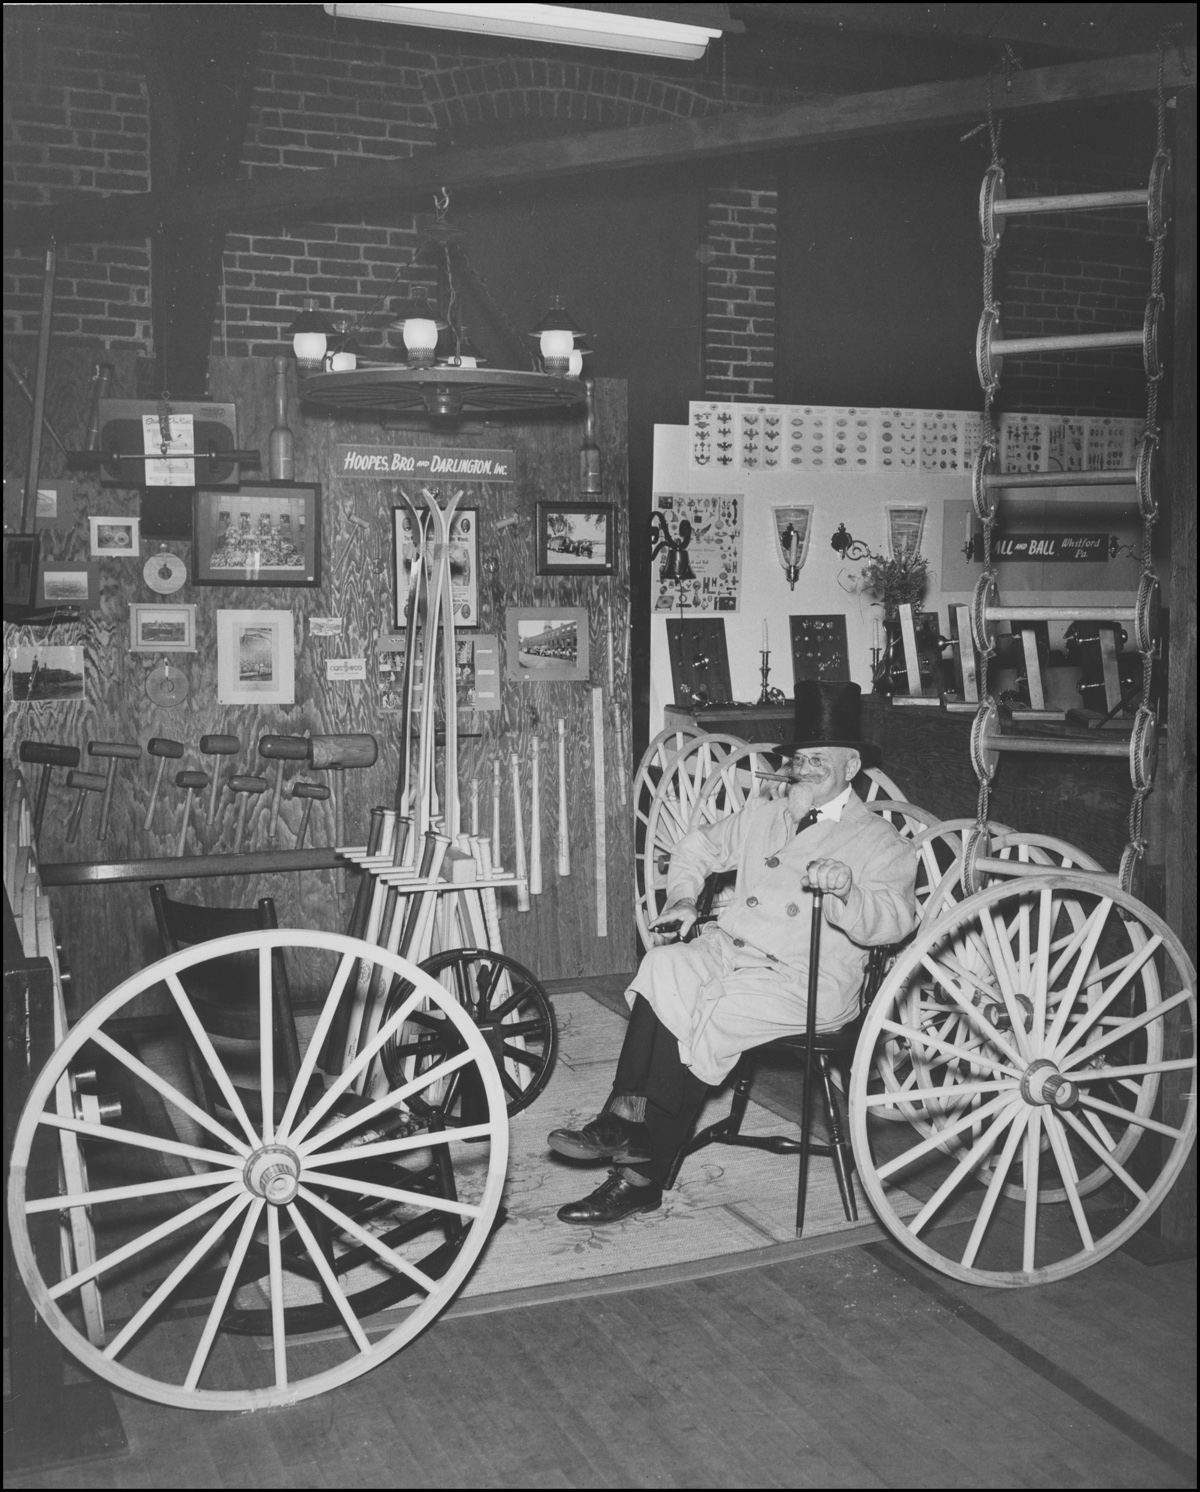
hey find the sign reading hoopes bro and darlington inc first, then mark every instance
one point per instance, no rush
(424, 463)
(1097, 548)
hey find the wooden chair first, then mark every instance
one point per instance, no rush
(224, 993)
(822, 1051)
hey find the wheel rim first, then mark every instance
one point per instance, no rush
(507, 1004)
(880, 785)
(733, 783)
(1093, 1025)
(668, 819)
(258, 1184)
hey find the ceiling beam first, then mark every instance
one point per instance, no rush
(274, 196)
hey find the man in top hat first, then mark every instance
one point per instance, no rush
(697, 1006)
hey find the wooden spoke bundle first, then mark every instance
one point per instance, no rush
(320, 1211)
(1053, 1080)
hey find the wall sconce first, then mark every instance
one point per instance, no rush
(792, 529)
(678, 567)
(906, 528)
(847, 545)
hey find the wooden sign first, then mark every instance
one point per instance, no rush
(819, 648)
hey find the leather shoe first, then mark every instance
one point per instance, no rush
(612, 1200)
(607, 1137)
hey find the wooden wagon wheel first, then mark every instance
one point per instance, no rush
(879, 785)
(291, 1185)
(1071, 1037)
(669, 817)
(508, 1006)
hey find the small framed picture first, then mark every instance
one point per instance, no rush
(162, 629)
(576, 539)
(547, 644)
(46, 673)
(256, 658)
(20, 569)
(259, 533)
(68, 583)
(464, 566)
(115, 538)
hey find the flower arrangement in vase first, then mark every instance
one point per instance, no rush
(896, 580)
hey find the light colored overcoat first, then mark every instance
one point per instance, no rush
(744, 980)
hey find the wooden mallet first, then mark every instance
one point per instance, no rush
(192, 781)
(217, 746)
(280, 749)
(336, 754)
(165, 750)
(245, 788)
(311, 792)
(48, 755)
(116, 752)
(86, 782)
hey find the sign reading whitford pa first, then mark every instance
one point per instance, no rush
(1063, 548)
(424, 463)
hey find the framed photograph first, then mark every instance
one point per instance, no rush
(259, 533)
(68, 583)
(20, 569)
(115, 538)
(46, 673)
(576, 539)
(464, 566)
(547, 644)
(162, 629)
(256, 658)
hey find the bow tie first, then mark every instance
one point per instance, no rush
(809, 819)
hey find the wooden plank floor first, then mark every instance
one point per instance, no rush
(853, 1368)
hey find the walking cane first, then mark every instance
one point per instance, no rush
(810, 1035)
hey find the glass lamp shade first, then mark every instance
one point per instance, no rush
(420, 340)
(557, 334)
(310, 337)
(344, 361)
(575, 364)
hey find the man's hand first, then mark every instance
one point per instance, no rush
(678, 918)
(830, 876)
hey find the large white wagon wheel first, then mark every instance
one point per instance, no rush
(300, 1189)
(1071, 1039)
(669, 818)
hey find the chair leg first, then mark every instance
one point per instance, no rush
(843, 1157)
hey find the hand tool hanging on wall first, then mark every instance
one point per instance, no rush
(309, 793)
(496, 813)
(33, 466)
(244, 788)
(514, 767)
(475, 807)
(340, 754)
(166, 750)
(217, 746)
(116, 752)
(600, 811)
(86, 782)
(535, 818)
(48, 755)
(191, 781)
(280, 749)
(413, 616)
(564, 837)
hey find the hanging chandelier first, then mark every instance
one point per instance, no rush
(440, 374)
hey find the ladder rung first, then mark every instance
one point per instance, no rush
(1084, 342)
(994, 867)
(1117, 476)
(1053, 746)
(1155, 197)
(991, 349)
(1146, 475)
(1012, 207)
(1061, 614)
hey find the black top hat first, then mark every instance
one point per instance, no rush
(830, 715)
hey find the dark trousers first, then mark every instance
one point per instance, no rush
(649, 1066)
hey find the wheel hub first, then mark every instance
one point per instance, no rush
(997, 1013)
(273, 1173)
(1042, 1083)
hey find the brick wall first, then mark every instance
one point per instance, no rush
(739, 293)
(76, 119)
(1070, 273)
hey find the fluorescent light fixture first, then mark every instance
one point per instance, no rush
(562, 24)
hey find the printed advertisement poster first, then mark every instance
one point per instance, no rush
(703, 571)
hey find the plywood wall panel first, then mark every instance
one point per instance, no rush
(108, 930)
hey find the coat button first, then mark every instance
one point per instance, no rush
(792, 909)
(752, 901)
(739, 942)
(773, 861)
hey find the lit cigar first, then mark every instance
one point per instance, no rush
(777, 776)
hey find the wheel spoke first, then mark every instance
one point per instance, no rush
(420, 1200)
(1083, 959)
(1032, 1163)
(952, 1090)
(1143, 1121)
(315, 1046)
(224, 1291)
(1099, 1006)
(1006, 973)
(982, 1147)
(1041, 968)
(1138, 1069)
(180, 1272)
(487, 994)
(511, 1087)
(948, 1048)
(995, 1185)
(514, 1000)
(128, 1193)
(1070, 1181)
(937, 1140)
(328, 1279)
(1135, 1023)
(275, 1276)
(214, 1063)
(136, 1245)
(137, 1139)
(523, 1057)
(348, 1225)
(266, 1043)
(975, 1017)
(406, 1142)
(390, 1101)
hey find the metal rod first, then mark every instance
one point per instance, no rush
(1121, 476)
(33, 469)
(19, 379)
(1045, 746)
(1012, 207)
(1005, 347)
(1061, 614)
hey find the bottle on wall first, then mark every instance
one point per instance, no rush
(282, 453)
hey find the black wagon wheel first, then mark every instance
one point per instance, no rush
(512, 1012)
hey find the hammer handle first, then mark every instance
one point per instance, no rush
(109, 784)
(241, 823)
(39, 806)
(273, 828)
(158, 777)
(308, 803)
(187, 815)
(76, 815)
